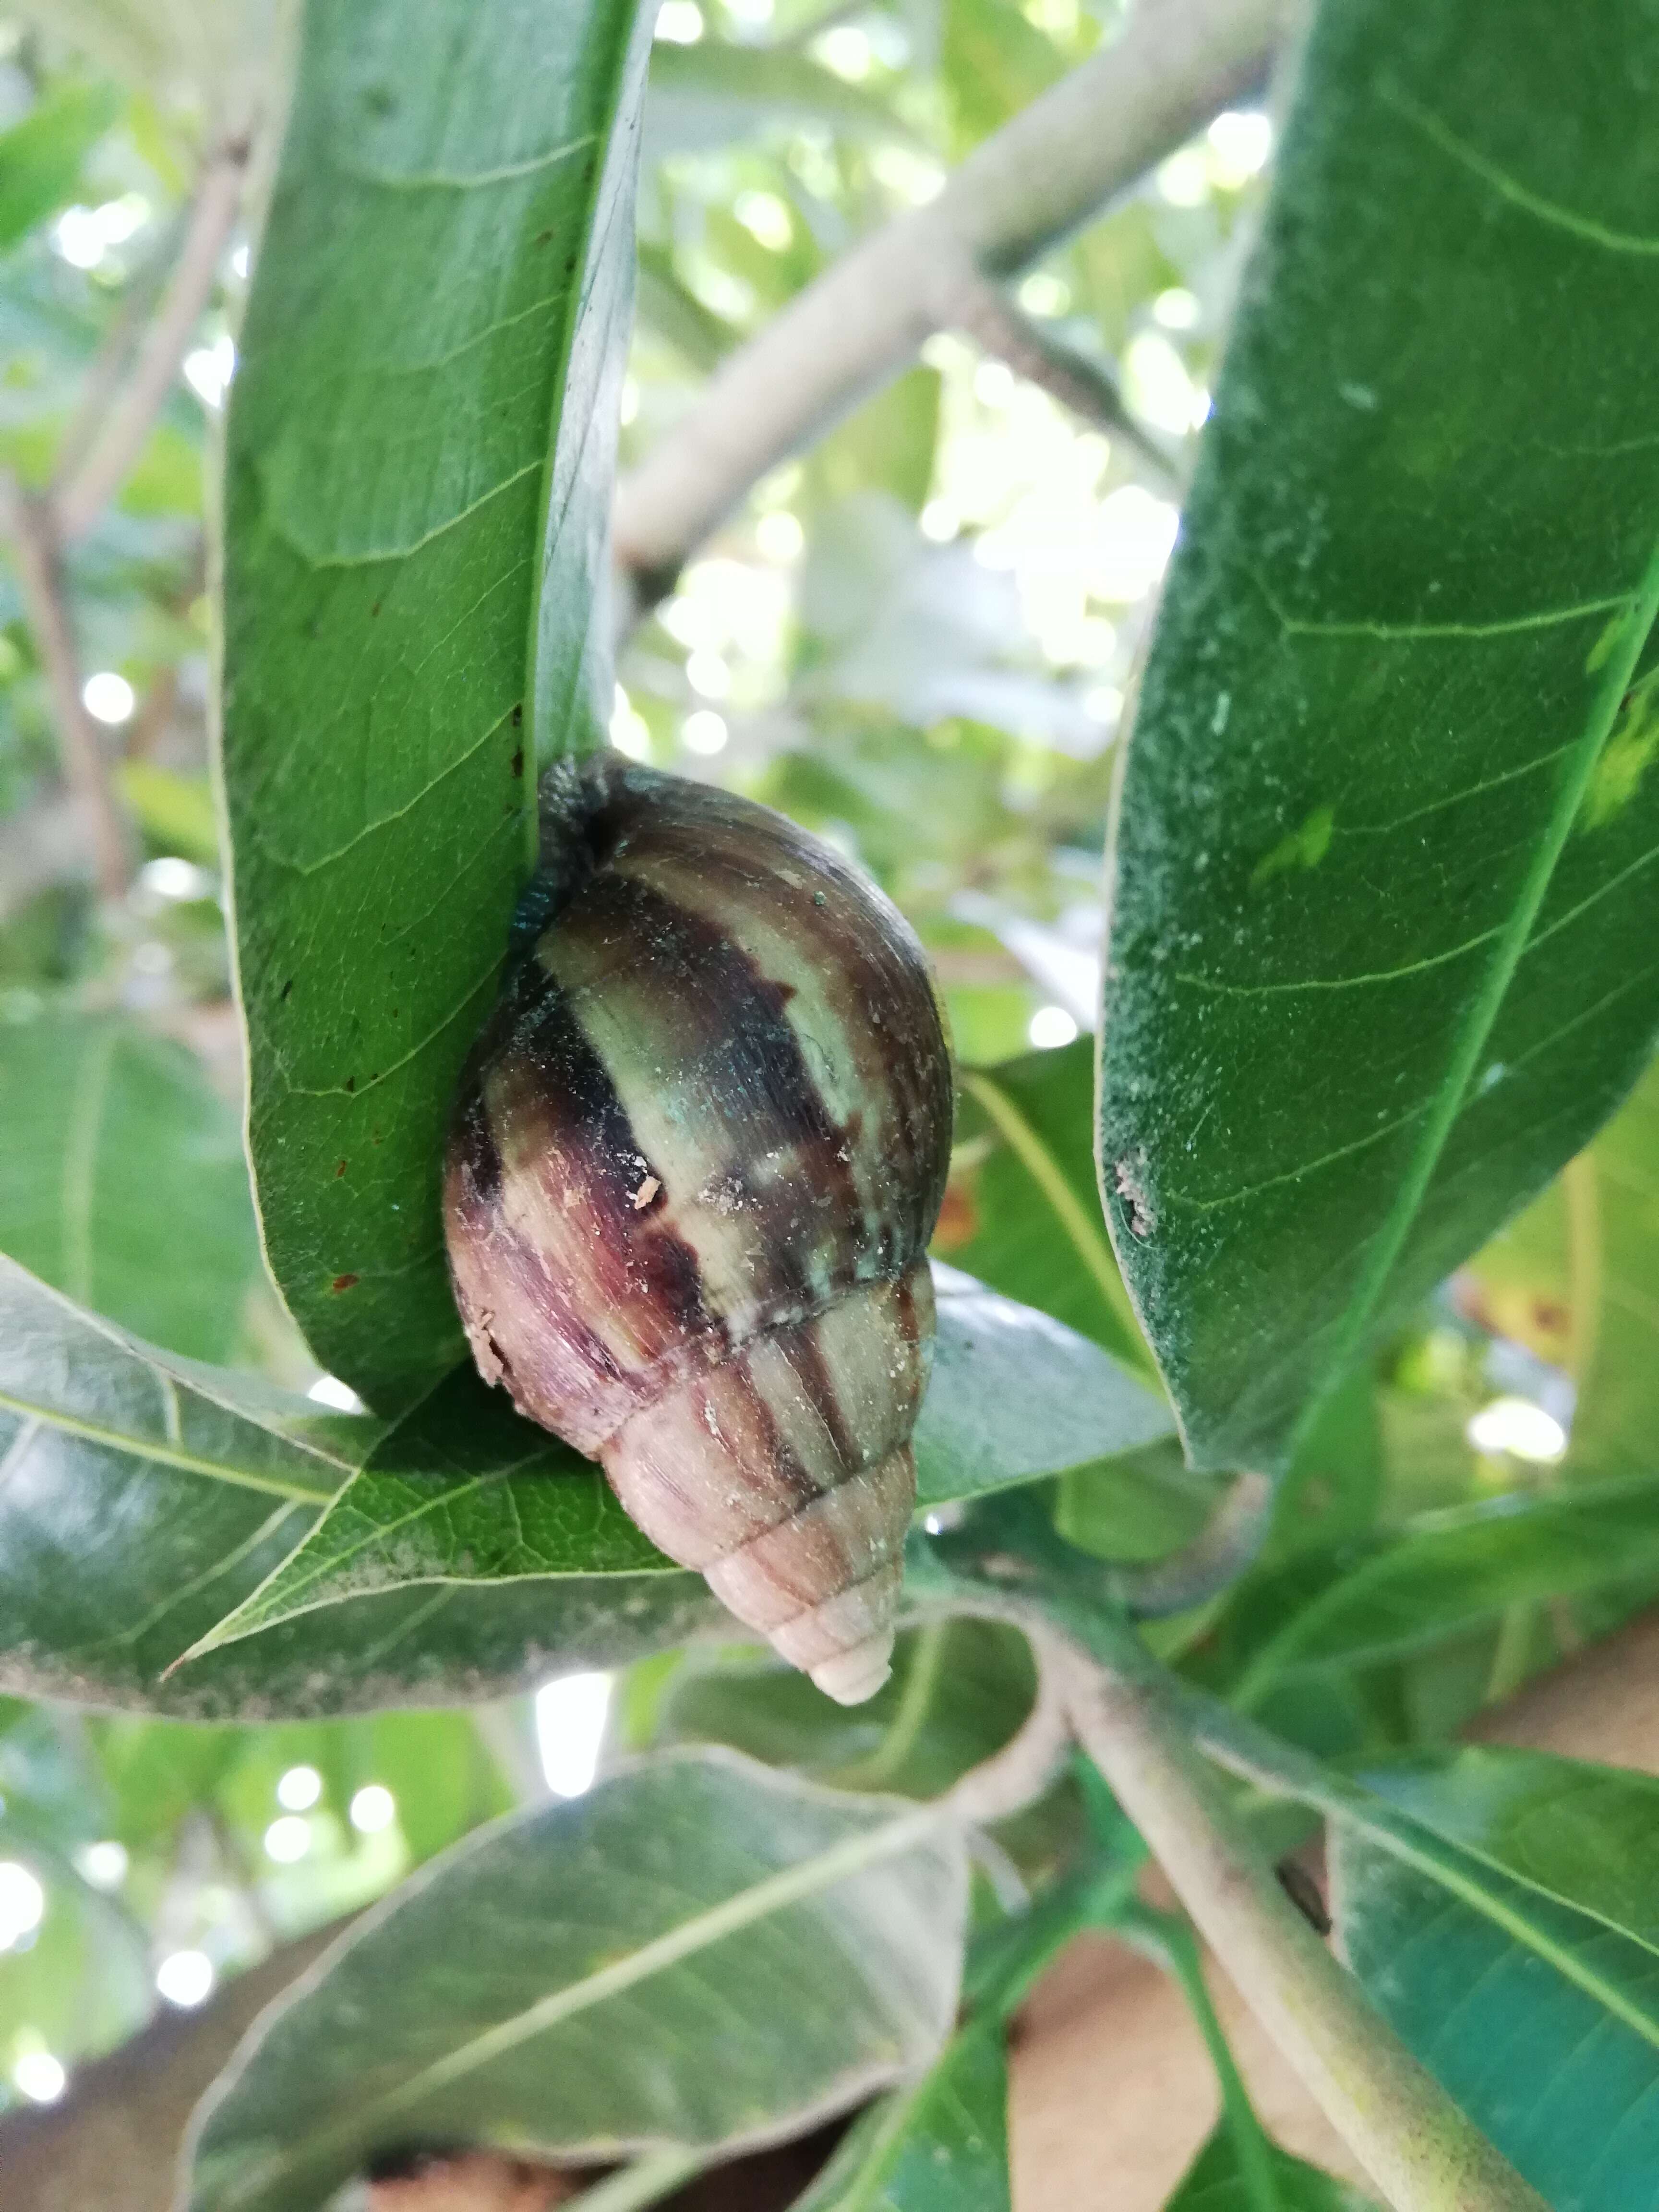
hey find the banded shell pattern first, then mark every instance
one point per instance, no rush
(695, 1161)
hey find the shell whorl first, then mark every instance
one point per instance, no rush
(696, 1159)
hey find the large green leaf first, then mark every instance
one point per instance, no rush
(941, 2146)
(417, 481)
(144, 1497)
(699, 1951)
(122, 1180)
(1446, 1573)
(1541, 2020)
(40, 157)
(1499, 1912)
(1382, 935)
(466, 1492)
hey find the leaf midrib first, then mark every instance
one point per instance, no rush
(164, 1455)
(250, 1616)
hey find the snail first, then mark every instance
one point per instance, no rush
(695, 1160)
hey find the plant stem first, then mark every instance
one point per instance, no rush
(26, 522)
(1024, 189)
(1419, 2148)
(1019, 1774)
(983, 311)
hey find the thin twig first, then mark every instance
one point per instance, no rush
(1019, 1774)
(1223, 1549)
(77, 503)
(1420, 2149)
(1026, 187)
(108, 366)
(27, 523)
(984, 313)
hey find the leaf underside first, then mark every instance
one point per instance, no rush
(623, 1970)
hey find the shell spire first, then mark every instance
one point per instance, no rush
(695, 1161)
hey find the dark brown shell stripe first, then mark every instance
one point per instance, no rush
(696, 1159)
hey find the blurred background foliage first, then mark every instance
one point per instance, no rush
(919, 639)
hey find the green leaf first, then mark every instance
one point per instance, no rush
(619, 1971)
(940, 2147)
(674, 313)
(1588, 1835)
(122, 1180)
(995, 62)
(175, 811)
(40, 157)
(418, 476)
(1141, 1506)
(1446, 1573)
(462, 1490)
(960, 1690)
(1541, 2020)
(712, 93)
(887, 445)
(1572, 1281)
(143, 1497)
(1534, 2000)
(1015, 1397)
(1381, 951)
(1215, 2182)
(1027, 1216)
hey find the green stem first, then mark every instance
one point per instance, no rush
(1510, 1653)
(1421, 2149)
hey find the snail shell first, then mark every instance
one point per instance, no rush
(695, 1161)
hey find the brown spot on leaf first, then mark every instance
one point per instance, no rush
(344, 1283)
(339, 1171)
